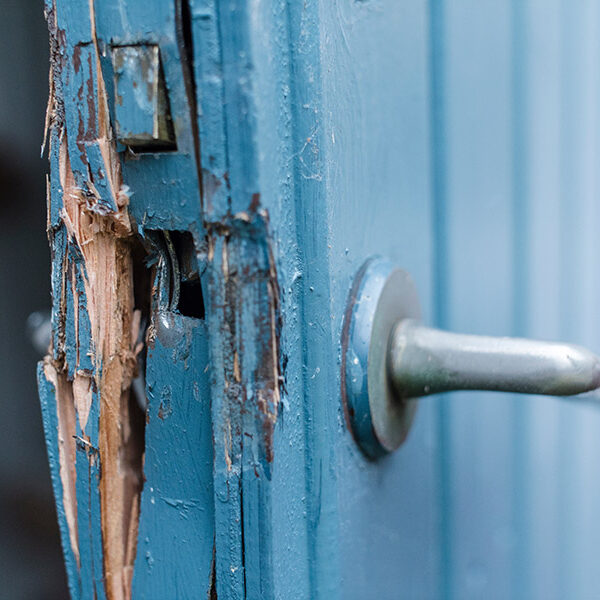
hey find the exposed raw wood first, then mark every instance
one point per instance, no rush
(105, 244)
(65, 409)
(82, 398)
(105, 241)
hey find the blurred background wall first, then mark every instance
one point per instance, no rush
(31, 565)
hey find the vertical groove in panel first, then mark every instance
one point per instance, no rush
(553, 487)
(479, 225)
(543, 231)
(519, 168)
(591, 426)
(440, 286)
(569, 208)
(589, 419)
(520, 499)
(578, 452)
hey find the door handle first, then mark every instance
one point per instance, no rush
(390, 360)
(426, 361)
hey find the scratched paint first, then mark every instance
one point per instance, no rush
(310, 135)
(95, 324)
(251, 510)
(106, 207)
(101, 302)
(242, 467)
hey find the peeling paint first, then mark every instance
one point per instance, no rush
(66, 448)
(100, 236)
(103, 240)
(247, 273)
(94, 222)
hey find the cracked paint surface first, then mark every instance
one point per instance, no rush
(177, 494)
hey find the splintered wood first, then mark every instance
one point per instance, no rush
(105, 245)
(105, 242)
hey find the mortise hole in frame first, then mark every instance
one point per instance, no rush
(191, 299)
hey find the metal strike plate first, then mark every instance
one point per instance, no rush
(143, 116)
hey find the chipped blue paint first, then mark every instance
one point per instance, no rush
(246, 399)
(262, 538)
(169, 183)
(284, 175)
(311, 135)
(165, 189)
(47, 391)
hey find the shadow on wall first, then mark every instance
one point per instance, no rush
(31, 566)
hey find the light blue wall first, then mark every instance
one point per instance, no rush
(461, 139)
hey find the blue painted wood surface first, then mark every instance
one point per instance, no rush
(177, 515)
(458, 139)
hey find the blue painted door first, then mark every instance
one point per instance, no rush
(220, 170)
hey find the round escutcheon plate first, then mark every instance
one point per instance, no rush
(381, 296)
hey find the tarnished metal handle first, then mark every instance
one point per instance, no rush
(423, 361)
(390, 359)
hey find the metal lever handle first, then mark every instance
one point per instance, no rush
(389, 360)
(426, 361)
